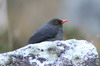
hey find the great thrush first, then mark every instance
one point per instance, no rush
(49, 32)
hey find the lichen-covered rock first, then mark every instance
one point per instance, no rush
(53, 53)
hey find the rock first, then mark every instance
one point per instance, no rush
(53, 53)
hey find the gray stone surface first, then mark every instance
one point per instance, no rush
(53, 53)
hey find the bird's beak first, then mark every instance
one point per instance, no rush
(63, 21)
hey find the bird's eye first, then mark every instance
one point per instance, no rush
(56, 22)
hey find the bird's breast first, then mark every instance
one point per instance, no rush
(59, 35)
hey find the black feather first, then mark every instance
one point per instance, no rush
(43, 34)
(49, 32)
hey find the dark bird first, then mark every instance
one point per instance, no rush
(49, 32)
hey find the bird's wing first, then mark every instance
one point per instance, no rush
(42, 35)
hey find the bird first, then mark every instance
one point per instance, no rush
(51, 31)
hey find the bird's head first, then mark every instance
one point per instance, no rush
(57, 21)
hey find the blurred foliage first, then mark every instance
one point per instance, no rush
(4, 42)
(72, 32)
